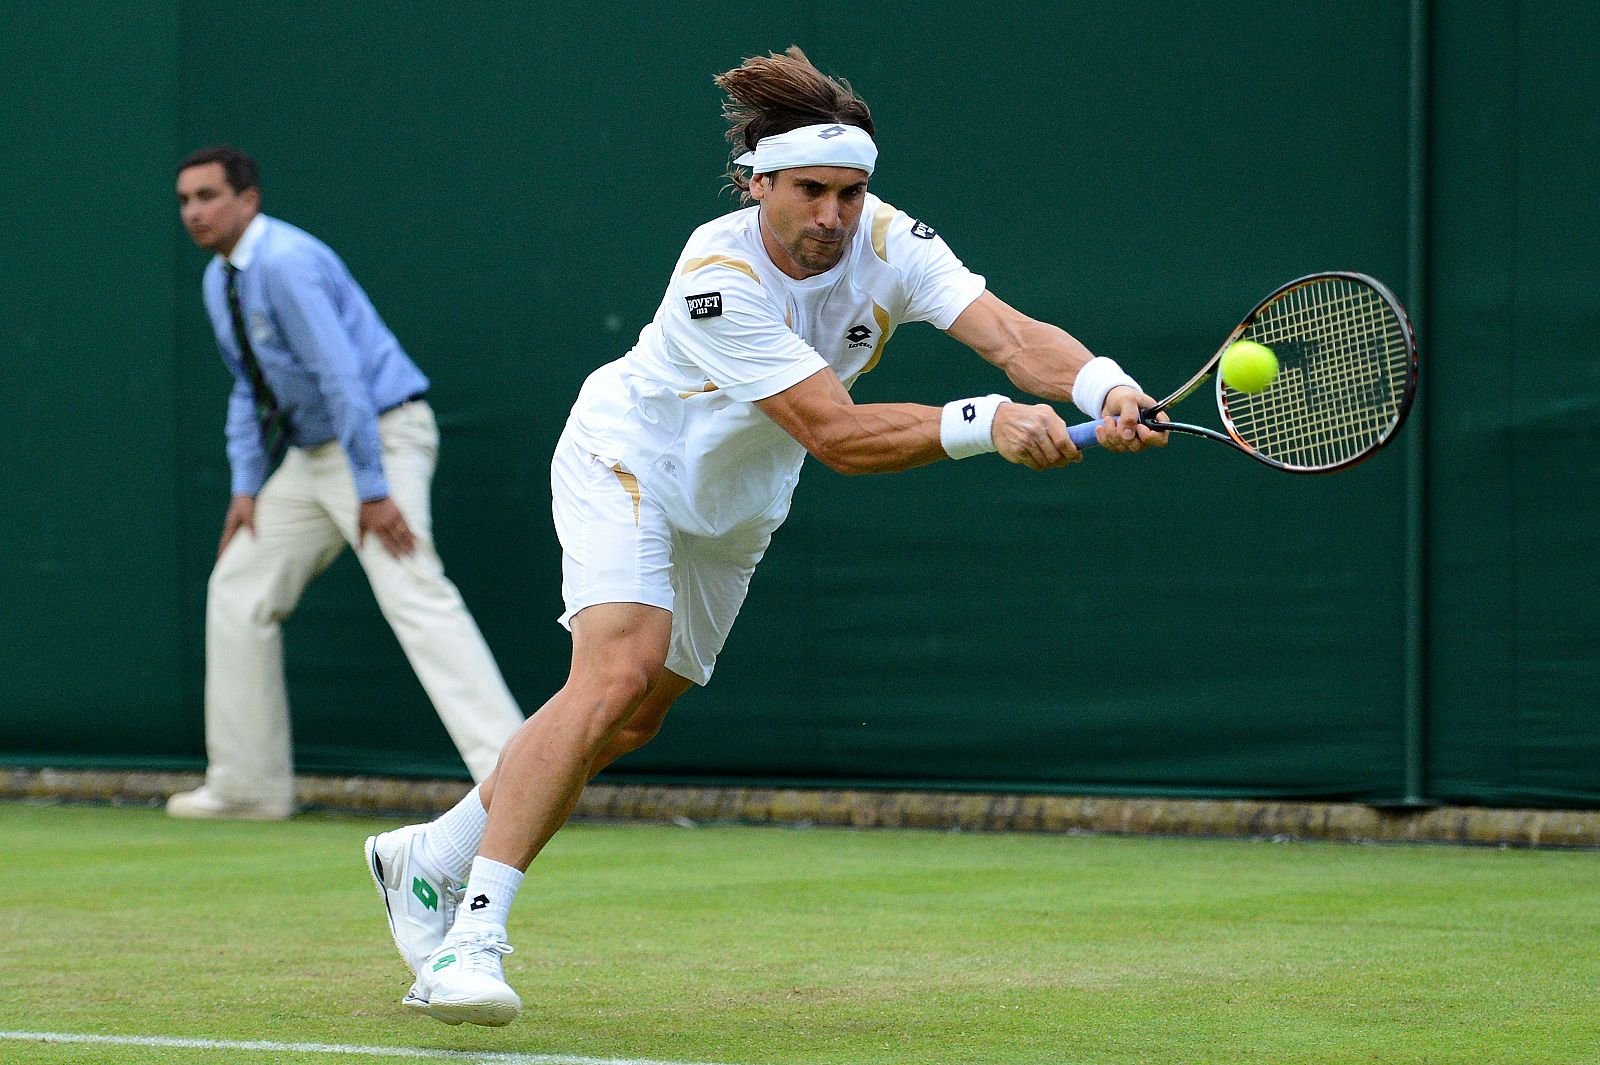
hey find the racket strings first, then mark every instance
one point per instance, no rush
(1343, 377)
(1340, 397)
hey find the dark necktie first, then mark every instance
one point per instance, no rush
(274, 427)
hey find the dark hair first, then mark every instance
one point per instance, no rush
(239, 168)
(773, 94)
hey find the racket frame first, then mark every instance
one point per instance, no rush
(1231, 437)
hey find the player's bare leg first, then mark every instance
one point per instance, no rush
(420, 870)
(645, 723)
(619, 652)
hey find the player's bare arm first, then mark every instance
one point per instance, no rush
(1045, 360)
(851, 437)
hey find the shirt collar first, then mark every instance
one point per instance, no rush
(245, 250)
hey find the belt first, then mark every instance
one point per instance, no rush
(409, 399)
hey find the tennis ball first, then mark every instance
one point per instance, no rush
(1248, 366)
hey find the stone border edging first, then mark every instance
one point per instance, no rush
(860, 808)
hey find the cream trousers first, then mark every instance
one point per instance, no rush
(304, 516)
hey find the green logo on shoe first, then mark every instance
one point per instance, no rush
(424, 891)
(448, 959)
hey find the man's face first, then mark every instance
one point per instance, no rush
(809, 215)
(212, 212)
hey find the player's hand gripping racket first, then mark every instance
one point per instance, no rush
(1347, 374)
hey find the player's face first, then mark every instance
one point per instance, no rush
(809, 215)
(212, 212)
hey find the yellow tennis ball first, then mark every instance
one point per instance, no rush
(1248, 366)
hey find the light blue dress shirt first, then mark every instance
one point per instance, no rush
(329, 359)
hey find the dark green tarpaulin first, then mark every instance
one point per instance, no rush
(512, 186)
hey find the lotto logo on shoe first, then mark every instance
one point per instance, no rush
(705, 305)
(425, 893)
(479, 902)
(448, 959)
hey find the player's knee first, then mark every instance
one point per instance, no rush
(606, 701)
(620, 686)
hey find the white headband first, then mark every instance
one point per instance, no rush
(832, 144)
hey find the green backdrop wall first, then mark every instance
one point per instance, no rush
(512, 186)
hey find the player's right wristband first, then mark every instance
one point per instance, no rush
(966, 427)
(1097, 378)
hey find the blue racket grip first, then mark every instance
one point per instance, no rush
(1082, 435)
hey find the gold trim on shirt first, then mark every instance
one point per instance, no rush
(880, 316)
(880, 230)
(721, 260)
(630, 483)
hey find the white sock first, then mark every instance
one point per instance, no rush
(491, 887)
(451, 842)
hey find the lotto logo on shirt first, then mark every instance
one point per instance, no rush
(705, 305)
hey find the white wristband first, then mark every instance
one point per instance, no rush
(967, 426)
(1098, 377)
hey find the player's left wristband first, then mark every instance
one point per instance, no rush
(966, 427)
(1095, 381)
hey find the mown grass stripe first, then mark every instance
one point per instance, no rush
(484, 1056)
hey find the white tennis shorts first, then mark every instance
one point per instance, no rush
(617, 546)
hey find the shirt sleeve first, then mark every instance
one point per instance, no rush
(728, 325)
(938, 285)
(302, 294)
(247, 455)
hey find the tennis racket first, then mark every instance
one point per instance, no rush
(1347, 373)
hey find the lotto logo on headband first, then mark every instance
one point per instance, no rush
(705, 305)
(834, 144)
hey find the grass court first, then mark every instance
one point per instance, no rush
(766, 946)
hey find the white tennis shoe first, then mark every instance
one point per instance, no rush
(420, 903)
(465, 981)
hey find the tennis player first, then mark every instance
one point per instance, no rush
(678, 462)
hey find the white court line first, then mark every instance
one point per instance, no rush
(498, 1057)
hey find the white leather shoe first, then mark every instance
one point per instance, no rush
(464, 981)
(202, 804)
(420, 904)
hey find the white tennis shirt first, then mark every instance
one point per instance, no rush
(678, 410)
